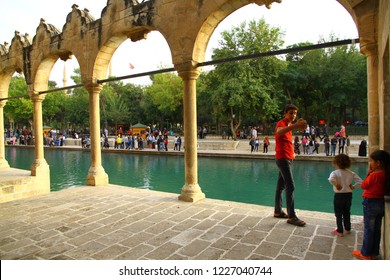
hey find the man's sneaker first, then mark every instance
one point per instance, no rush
(335, 232)
(347, 231)
(359, 255)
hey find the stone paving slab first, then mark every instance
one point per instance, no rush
(121, 223)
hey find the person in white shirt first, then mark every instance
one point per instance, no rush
(254, 132)
(343, 181)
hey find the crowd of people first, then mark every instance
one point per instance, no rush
(21, 136)
(254, 141)
(309, 142)
(156, 139)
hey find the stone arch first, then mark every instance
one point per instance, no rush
(15, 61)
(189, 44)
(104, 55)
(5, 80)
(208, 27)
(16, 53)
(221, 12)
(44, 56)
(120, 20)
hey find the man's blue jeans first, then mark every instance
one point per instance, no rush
(333, 152)
(373, 212)
(285, 182)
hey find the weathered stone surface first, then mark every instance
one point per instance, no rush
(185, 240)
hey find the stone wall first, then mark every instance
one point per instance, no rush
(17, 184)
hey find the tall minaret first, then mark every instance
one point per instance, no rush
(64, 79)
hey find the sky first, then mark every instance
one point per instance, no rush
(300, 20)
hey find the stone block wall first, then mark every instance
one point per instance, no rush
(16, 184)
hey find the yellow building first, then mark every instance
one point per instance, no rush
(139, 129)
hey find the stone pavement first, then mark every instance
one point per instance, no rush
(113, 222)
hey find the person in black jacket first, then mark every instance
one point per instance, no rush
(363, 148)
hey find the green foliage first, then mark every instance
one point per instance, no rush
(247, 90)
(328, 84)
(115, 110)
(53, 108)
(19, 110)
(166, 97)
(77, 109)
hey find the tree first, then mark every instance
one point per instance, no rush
(77, 104)
(166, 93)
(53, 107)
(18, 110)
(132, 96)
(247, 90)
(117, 110)
(206, 113)
(302, 79)
(327, 84)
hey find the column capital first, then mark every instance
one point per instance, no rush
(36, 97)
(369, 48)
(92, 87)
(3, 94)
(188, 70)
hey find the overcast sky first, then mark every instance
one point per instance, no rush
(301, 20)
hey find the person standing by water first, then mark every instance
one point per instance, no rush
(252, 144)
(305, 145)
(363, 148)
(257, 143)
(341, 145)
(297, 144)
(265, 145)
(284, 153)
(333, 144)
(375, 187)
(347, 144)
(179, 143)
(327, 145)
(341, 179)
(175, 143)
(343, 132)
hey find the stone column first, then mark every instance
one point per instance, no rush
(191, 191)
(3, 161)
(372, 96)
(96, 174)
(386, 230)
(39, 166)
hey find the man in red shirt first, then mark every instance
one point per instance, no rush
(284, 157)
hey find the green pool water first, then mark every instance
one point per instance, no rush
(242, 180)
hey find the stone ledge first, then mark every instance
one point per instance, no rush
(17, 184)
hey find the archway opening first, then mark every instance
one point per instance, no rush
(309, 26)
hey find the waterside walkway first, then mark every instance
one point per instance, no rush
(114, 222)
